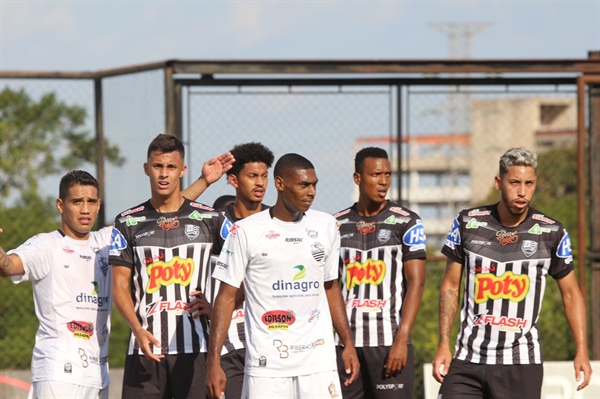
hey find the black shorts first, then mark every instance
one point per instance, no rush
(176, 376)
(233, 366)
(372, 382)
(492, 381)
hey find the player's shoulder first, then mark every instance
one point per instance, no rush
(478, 211)
(538, 217)
(344, 212)
(256, 220)
(43, 238)
(315, 216)
(134, 212)
(398, 211)
(102, 237)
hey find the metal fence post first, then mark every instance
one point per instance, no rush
(99, 148)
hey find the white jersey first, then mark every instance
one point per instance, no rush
(284, 266)
(72, 296)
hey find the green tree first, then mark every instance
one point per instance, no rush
(42, 138)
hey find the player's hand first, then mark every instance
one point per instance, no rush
(145, 339)
(582, 365)
(199, 305)
(213, 169)
(215, 381)
(396, 358)
(351, 364)
(441, 363)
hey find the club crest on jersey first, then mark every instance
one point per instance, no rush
(564, 248)
(415, 237)
(383, 236)
(529, 247)
(103, 265)
(453, 238)
(318, 251)
(225, 227)
(192, 231)
(117, 243)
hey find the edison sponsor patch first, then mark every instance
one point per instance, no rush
(370, 272)
(81, 329)
(513, 287)
(166, 273)
(278, 319)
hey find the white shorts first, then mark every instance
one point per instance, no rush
(61, 389)
(324, 385)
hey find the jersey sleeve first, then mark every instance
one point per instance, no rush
(35, 257)
(333, 258)
(232, 262)
(453, 248)
(121, 246)
(414, 240)
(562, 256)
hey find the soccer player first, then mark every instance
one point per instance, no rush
(72, 294)
(286, 257)
(505, 251)
(161, 250)
(382, 274)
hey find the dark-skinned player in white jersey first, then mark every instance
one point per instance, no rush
(382, 274)
(505, 251)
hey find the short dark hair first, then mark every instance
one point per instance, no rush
(73, 178)
(223, 200)
(368, 152)
(166, 143)
(248, 153)
(290, 162)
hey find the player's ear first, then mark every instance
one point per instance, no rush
(357, 178)
(279, 183)
(183, 169)
(59, 205)
(146, 169)
(497, 180)
(232, 179)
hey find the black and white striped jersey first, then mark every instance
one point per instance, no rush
(371, 272)
(169, 255)
(505, 276)
(236, 337)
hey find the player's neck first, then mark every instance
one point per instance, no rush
(368, 208)
(243, 209)
(166, 205)
(283, 213)
(507, 218)
(67, 232)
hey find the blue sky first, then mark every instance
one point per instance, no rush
(91, 35)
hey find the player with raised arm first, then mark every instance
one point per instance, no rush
(382, 274)
(160, 258)
(504, 251)
(286, 257)
(72, 294)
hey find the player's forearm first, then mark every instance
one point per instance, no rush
(5, 263)
(124, 305)
(196, 188)
(224, 307)
(410, 309)
(338, 312)
(448, 306)
(574, 306)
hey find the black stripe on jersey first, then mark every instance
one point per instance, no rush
(140, 300)
(503, 312)
(537, 304)
(520, 314)
(164, 316)
(179, 320)
(490, 310)
(478, 263)
(379, 317)
(395, 315)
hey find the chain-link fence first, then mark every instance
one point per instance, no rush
(452, 137)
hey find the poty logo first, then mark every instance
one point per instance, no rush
(225, 227)
(278, 319)
(179, 307)
(513, 287)
(564, 248)
(453, 238)
(166, 273)
(370, 272)
(415, 237)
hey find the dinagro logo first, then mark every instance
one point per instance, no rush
(94, 298)
(296, 284)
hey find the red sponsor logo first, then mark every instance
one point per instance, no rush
(542, 218)
(513, 287)
(366, 305)
(168, 223)
(370, 272)
(399, 210)
(81, 329)
(504, 323)
(201, 206)
(485, 269)
(178, 307)
(477, 212)
(365, 228)
(278, 319)
(68, 250)
(166, 273)
(154, 258)
(129, 212)
(271, 235)
(507, 237)
(355, 258)
(233, 229)
(238, 316)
